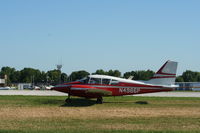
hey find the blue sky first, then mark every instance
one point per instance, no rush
(106, 34)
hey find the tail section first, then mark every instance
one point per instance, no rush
(166, 75)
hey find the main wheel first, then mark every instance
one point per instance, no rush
(68, 100)
(99, 100)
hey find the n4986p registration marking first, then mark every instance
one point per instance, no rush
(129, 90)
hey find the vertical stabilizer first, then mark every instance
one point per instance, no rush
(166, 75)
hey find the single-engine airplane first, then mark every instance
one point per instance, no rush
(98, 86)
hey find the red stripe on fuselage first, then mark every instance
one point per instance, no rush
(117, 90)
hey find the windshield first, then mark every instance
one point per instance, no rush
(84, 80)
(114, 82)
(95, 81)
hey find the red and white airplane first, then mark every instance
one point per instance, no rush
(98, 86)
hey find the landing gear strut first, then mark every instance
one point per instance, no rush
(99, 100)
(68, 100)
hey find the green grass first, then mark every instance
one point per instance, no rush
(42, 114)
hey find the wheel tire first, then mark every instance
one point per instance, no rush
(99, 101)
(68, 101)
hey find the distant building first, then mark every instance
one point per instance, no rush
(22, 86)
(2, 82)
(188, 86)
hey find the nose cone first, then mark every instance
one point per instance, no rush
(62, 88)
(53, 88)
(56, 88)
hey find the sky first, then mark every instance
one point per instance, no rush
(100, 34)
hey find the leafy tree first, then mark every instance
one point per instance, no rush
(179, 79)
(15, 77)
(128, 74)
(100, 72)
(78, 75)
(139, 75)
(42, 77)
(63, 77)
(9, 72)
(190, 76)
(29, 75)
(115, 73)
(198, 77)
(54, 76)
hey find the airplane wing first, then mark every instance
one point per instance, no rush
(99, 91)
(89, 89)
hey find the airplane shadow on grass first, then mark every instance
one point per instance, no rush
(130, 102)
(81, 102)
(75, 102)
(141, 102)
(78, 102)
(50, 102)
(89, 102)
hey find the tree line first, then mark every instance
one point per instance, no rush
(31, 75)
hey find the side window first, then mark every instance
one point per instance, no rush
(114, 82)
(106, 81)
(95, 81)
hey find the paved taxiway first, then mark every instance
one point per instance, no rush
(32, 93)
(55, 93)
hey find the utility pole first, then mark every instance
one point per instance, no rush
(59, 66)
(6, 80)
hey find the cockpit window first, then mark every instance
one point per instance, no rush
(114, 82)
(106, 81)
(88, 80)
(95, 81)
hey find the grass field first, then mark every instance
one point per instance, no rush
(50, 114)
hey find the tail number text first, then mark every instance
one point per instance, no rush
(129, 90)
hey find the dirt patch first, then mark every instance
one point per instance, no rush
(99, 118)
(90, 113)
(153, 126)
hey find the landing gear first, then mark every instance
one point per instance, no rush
(68, 100)
(99, 100)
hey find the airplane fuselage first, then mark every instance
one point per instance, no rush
(89, 90)
(98, 86)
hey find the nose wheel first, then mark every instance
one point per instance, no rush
(99, 100)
